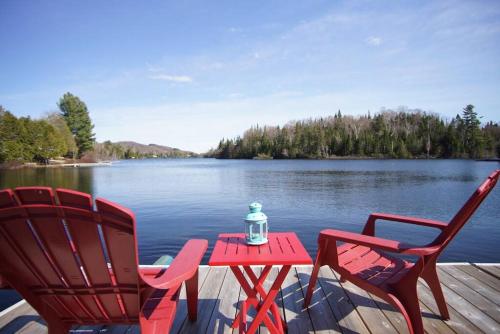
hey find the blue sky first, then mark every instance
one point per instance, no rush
(186, 74)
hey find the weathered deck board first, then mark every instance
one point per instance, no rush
(208, 300)
(493, 270)
(322, 317)
(469, 310)
(457, 322)
(336, 297)
(483, 274)
(372, 316)
(472, 293)
(474, 284)
(181, 313)
(18, 318)
(297, 318)
(225, 309)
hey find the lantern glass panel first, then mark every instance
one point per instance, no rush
(256, 228)
(256, 233)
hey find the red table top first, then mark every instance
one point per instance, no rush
(282, 249)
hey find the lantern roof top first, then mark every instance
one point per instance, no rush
(255, 215)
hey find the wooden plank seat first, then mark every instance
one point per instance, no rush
(77, 265)
(370, 265)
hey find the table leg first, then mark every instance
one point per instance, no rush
(257, 282)
(267, 302)
(252, 298)
(243, 317)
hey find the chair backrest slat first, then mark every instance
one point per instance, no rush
(121, 250)
(23, 269)
(50, 229)
(85, 235)
(48, 225)
(24, 259)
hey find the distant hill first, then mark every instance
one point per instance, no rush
(154, 149)
(132, 150)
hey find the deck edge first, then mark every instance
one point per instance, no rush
(309, 265)
(12, 307)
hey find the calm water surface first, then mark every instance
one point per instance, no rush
(178, 199)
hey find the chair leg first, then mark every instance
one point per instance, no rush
(155, 326)
(192, 296)
(407, 303)
(312, 283)
(431, 278)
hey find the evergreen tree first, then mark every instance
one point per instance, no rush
(44, 140)
(60, 125)
(472, 132)
(77, 117)
(11, 146)
(24, 139)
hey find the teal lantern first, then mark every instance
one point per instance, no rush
(256, 225)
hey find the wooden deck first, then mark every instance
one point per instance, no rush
(472, 292)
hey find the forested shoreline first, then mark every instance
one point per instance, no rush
(66, 135)
(403, 133)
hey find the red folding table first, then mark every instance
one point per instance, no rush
(283, 249)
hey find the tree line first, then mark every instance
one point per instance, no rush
(401, 133)
(132, 150)
(67, 133)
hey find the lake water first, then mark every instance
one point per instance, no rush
(178, 199)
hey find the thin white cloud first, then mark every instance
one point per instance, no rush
(173, 78)
(153, 68)
(374, 40)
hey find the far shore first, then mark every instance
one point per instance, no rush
(55, 165)
(77, 164)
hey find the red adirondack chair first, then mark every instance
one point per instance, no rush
(80, 266)
(363, 260)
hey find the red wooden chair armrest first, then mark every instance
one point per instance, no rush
(370, 224)
(182, 268)
(375, 242)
